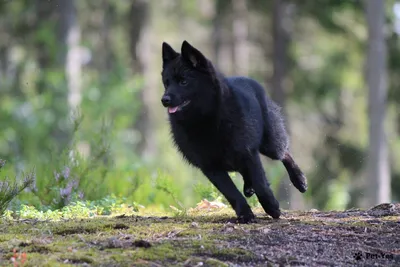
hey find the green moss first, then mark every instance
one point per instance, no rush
(6, 237)
(170, 251)
(215, 263)
(82, 227)
(168, 241)
(76, 259)
(38, 249)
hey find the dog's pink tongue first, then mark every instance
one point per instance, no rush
(172, 109)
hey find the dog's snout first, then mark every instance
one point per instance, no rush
(166, 100)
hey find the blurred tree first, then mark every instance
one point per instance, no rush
(53, 31)
(217, 31)
(324, 76)
(141, 57)
(240, 49)
(281, 23)
(282, 27)
(378, 171)
(393, 42)
(222, 40)
(70, 54)
(315, 69)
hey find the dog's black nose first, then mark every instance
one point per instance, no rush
(166, 100)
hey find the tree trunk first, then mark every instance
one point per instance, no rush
(222, 40)
(45, 12)
(50, 14)
(217, 33)
(107, 59)
(240, 34)
(141, 58)
(281, 31)
(280, 38)
(378, 170)
(70, 36)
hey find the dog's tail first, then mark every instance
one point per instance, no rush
(296, 176)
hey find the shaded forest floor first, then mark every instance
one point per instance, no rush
(312, 238)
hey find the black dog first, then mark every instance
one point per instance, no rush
(220, 124)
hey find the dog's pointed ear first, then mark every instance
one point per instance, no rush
(168, 53)
(193, 56)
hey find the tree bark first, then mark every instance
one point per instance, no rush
(222, 40)
(108, 58)
(378, 170)
(70, 36)
(282, 20)
(51, 14)
(141, 58)
(280, 38)
(45, 12)
(240, 34)
(217, 33)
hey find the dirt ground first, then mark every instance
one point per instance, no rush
(312, 238)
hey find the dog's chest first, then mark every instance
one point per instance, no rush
(205, 149)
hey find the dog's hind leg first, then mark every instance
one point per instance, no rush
(296, 176)
(253, 171)
(275, 145)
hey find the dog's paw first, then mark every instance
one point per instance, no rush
(274, 213)
(301, 183)
(246, 218)
(248, 191)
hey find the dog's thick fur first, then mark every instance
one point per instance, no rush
(221, 124)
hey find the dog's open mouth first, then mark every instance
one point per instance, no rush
(178, 108)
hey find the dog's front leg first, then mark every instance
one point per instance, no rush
(225, 185)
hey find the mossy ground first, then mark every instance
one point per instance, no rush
(310, 238)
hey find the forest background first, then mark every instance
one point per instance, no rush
(80, 92)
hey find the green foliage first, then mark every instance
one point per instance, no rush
(68, 175)
(328, 12)
(10, 189)
(167, 185)
(110, 205)
(206, 191)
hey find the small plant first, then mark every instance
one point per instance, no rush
(69, 176)
(206, 191)
(110, 205)
(18, 259)
(9, 190)
(165, 184)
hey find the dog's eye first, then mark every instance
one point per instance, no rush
(182, 82)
